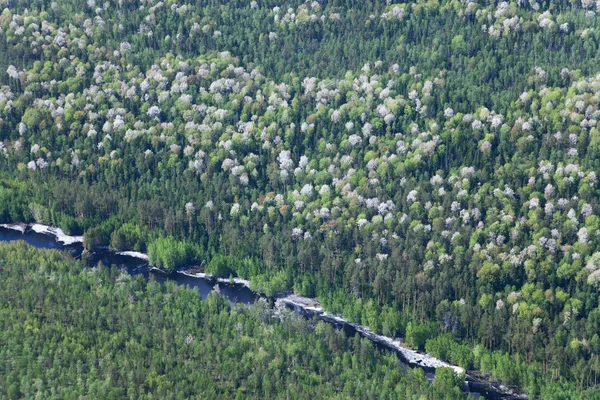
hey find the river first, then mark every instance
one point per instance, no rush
(240, 293)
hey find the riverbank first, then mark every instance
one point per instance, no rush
(306, 306)
(134, 254)
(412, 357)
(57, 233)
(19, 227)
(202, 275)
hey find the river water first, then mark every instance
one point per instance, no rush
(133, 265)
(235, 293)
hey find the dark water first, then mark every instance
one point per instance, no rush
(35, 239)
(135, 266)
(476, 388)
(234, 293)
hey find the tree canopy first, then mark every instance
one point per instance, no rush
(425, 168)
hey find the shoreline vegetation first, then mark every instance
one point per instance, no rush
(428, 169)
(308, 306)
(69, 332)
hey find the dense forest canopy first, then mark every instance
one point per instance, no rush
(428, 169)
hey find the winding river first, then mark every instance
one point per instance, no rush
(238, 292)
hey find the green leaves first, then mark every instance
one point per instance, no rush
(417, 334)
(169, 254)
(116, 336)
(112, 119)
(221, 266)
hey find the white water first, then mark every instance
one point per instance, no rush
(199, 275)
(57, 233)
(411, 356)
(135, 254)
(15, 227)
(202, 275)
(238, 281)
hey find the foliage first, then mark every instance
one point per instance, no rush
(271, 284)
(70, 332)
(220, 266)
(424, 163)
(168, 253)
(418, 334)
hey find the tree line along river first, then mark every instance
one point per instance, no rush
(241, 293)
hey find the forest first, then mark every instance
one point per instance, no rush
(70, 332)
(427, 168)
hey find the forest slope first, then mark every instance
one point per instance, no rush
(428, 169)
